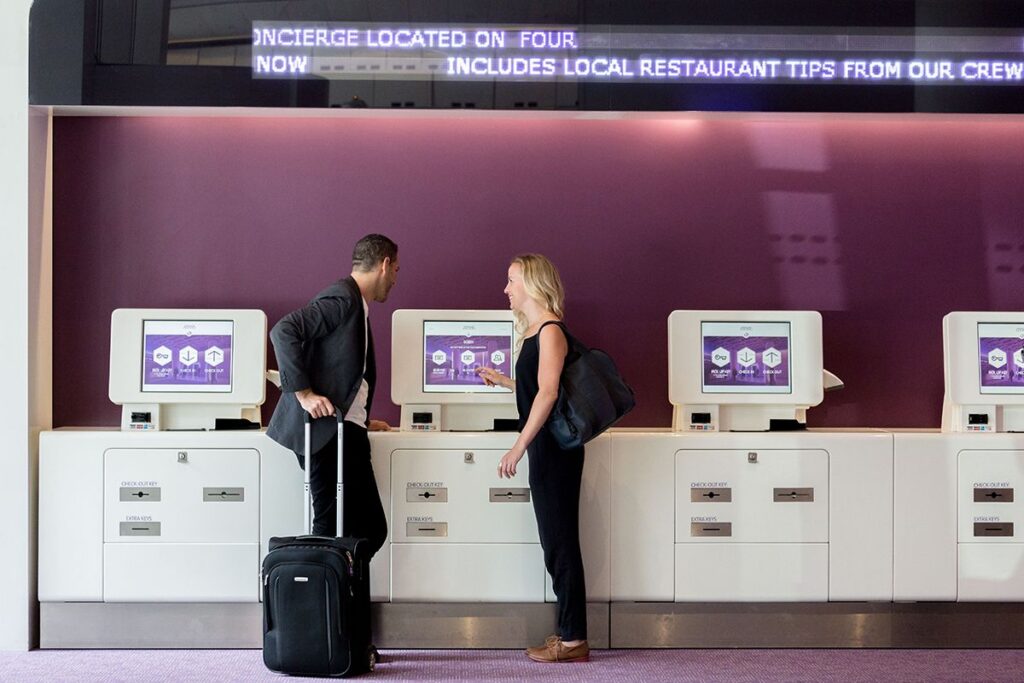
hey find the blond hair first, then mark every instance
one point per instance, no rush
(542, 284)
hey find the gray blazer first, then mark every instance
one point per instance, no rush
(320, 347)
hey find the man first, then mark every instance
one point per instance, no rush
(325, 356)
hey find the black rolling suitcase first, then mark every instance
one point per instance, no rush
(316, 597)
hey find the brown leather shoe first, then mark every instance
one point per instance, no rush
(554, 650)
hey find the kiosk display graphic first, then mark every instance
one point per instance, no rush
(1001, 357)
(453, 351)
(746, 357)
(186, 356)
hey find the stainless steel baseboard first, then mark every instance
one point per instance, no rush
(477, 625)
(817, 625)
(85, 625)
(113, 625)
(80, 625)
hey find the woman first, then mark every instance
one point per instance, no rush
(537, 299)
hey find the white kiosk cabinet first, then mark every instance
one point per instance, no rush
(162, 516)
(754, 525)
(958, 534)
(787, 517)
(741, 503)
(459, 532)
(180, 524)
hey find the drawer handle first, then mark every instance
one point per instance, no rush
(217, 494)
(793, 495)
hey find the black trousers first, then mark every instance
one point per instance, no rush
(555, 477)
(364, 514)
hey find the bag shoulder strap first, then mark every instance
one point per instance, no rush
(571, 341)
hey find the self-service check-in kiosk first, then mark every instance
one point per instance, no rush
(740, 502)
(458, 532)
(958, 532)
(152, 534)
(183, 370)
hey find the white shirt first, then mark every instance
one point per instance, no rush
(357, 411)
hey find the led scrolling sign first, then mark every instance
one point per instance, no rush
(635, 54)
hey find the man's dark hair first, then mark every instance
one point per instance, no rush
(371, 251)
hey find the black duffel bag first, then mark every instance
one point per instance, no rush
(592, 396)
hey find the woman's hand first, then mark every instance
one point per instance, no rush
(507, 465)
(492, 377)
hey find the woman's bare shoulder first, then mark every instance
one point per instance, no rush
(552, 333)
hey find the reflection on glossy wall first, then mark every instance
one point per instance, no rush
(883, 223)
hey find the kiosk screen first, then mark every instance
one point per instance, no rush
(186, 356)
(746, 357)
(453, 351)
(1001, 357)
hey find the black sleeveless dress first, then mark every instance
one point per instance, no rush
(555, 477)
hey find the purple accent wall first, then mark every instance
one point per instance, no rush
(883, 223)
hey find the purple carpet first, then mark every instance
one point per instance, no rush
(753, 666)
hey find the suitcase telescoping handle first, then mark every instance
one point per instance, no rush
(307, 494)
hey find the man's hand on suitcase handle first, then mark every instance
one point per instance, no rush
(314, 404)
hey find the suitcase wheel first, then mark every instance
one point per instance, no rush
(373, 657)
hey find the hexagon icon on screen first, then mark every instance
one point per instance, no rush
(214, 356)
(188, 356)
(1018, 358)
(771, 357)
(997, 358)
(162, 355)
(720, 357)
(467, 357)
(498, 357)
(439, 357)
(746, 357)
